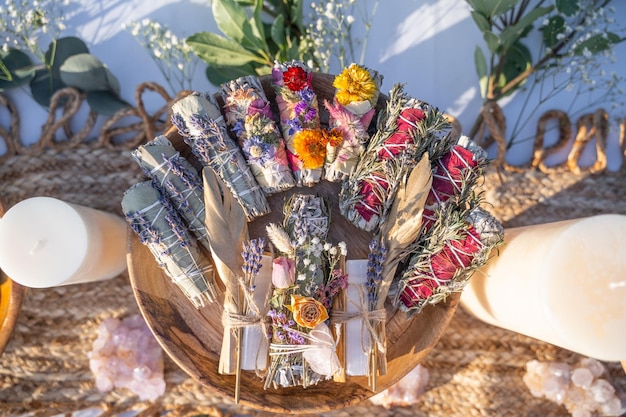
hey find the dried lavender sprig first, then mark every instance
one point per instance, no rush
(252, 253)
(176, 251)
(201, 124)
(375, 263)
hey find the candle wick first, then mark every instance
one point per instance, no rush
(613, 285)
(37, 246)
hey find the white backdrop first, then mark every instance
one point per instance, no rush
(426, 44)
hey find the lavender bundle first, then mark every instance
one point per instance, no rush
(201, 124)
(250, 118)
(176, 179)
(152, 217)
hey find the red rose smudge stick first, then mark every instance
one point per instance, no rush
(407, 129)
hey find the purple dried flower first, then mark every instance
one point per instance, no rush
(179, 123)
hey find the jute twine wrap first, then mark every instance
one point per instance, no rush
(475, 369)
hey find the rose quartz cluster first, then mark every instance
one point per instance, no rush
(579, 388)
(406, 391)
(126, 355)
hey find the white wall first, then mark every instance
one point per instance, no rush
(426, 44)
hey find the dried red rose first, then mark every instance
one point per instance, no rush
(455, 256)
(402, 137)
(295, 78)
(448, 177)
(370, 191)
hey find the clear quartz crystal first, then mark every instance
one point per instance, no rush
(406, 391)
(125, 354)
(579, 388)
(582, 377)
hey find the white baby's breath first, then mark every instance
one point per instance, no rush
(172, 56)
(331, 31)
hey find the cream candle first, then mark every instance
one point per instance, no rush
(563, 283)
(254, 344)
(45, 242)
(357, 337)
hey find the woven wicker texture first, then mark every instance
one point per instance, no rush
(475, 369)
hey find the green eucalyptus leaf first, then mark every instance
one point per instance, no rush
(277, 32)
(514, 33)
(232, 20)
(481, 70)
(567, 7)
(551, 31)
(105, 103)
(88, 73)
(518, 60)
(219, 51)
(492, 8)
(61, 49)
(44, 85)
(219, 75)
(296, 15)
(501, 6)
(263, 70)
(481, 21)
(16, 69)
(598, 43)
(256, 23)
(492, 40)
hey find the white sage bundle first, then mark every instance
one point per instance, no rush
(152, 217)
(200, 122)
(176, 179)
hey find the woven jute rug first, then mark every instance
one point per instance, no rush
(475, 369)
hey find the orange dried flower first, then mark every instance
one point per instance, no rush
(307, 311)
(333, 137)
(310, 146)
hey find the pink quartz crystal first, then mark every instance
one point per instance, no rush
(579, 388)
(406, 391)
(126, 355)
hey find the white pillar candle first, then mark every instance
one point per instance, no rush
(254, 344)
(357, 337)
(563, 283)
(45, 242)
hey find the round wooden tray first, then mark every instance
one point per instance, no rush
(192, 337)
(11, 297)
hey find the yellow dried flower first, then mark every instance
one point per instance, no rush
(307, 311)
(310, 146)
(354, 84)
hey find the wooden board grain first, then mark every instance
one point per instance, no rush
(192, 337)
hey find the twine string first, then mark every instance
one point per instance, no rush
(369, 318)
